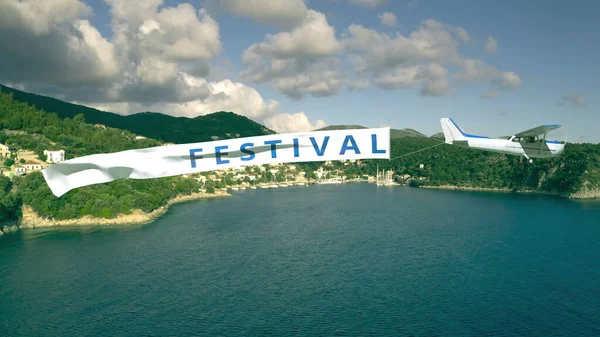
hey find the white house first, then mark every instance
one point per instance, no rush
(54, 156)
(4, 151)
(32, 166)
(19, 170)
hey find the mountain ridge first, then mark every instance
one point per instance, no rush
(218, 125)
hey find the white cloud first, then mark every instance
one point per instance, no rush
(357, 84)
(388, 19)
(378, 52)
(435, 80)
(489, 94)
(462, 34)
(313, 38)
(286, 123)
(278, 13)
(509, 80)
(297, 63)
(398, 78)
(490, 46)
(40, 17)
(368, 3)
(574, 98)
(55, 44)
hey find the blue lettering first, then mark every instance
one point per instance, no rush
(273, 147)
(374, 143)
(250, 152)
(296, 148)
(219, 154)
(321, 151)
(193, 156)
(345, 146)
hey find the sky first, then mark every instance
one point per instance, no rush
(495, 67)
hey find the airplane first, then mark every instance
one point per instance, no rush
(529, 144)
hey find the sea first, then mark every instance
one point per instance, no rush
(324, 260)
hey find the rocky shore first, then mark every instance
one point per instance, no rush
(587, 194)
(31, 219)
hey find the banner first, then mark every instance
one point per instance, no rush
(173, 160)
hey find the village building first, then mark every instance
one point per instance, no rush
(4, 151)
(54, 156)
(19, 170)
(32, 166)
(102, 126)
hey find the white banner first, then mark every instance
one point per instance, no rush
(173, 160)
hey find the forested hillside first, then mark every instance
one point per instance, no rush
(158, 126)
(578, 168)
(24, 127)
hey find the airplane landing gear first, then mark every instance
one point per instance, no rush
(528, 159)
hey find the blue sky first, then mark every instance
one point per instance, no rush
(551, 46)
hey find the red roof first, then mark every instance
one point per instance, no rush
(32, 163)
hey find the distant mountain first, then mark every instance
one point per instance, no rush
(439, 135)
(403, 133)
(394, 133)
(219, 125)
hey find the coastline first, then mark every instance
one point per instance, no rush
(31, 219)
(579, 195)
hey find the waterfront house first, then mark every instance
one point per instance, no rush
(102, 126)
(54, 156)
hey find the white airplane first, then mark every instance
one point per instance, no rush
(528, 144)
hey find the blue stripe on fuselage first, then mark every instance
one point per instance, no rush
(465, 134)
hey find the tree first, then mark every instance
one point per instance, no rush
(22, 161)
(8, 162)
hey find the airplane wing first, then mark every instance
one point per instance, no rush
(539, 130)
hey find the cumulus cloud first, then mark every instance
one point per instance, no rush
(158, 59)
(368, 3)
(357, 84)
(55, 42)
(573, 98)
(297, 63)
(489, 94)
(278, 13)
(308, 59)
(388, 19)
(490, 46)
(508, 80)
(299, 122)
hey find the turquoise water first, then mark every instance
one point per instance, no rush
(329, 260)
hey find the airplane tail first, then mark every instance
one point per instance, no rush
(451, 131)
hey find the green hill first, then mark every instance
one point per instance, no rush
(394, 133)
(219, 125)
(439, 135)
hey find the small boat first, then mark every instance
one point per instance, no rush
(253, 187)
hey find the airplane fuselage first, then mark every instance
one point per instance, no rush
(528, 144)
(538, 149)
